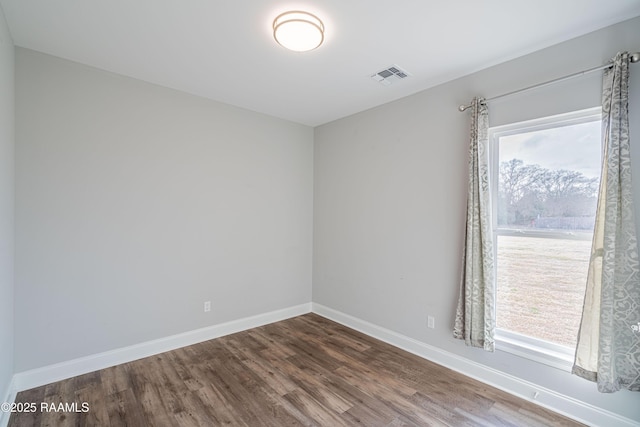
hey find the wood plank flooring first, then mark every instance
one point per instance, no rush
(304, 371)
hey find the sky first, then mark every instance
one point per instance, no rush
(573, 147)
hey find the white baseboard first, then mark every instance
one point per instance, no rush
(562, 404)
(59, 371)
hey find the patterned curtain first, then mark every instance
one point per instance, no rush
(475, 315)
(608, 350)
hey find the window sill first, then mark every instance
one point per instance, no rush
(538, 350)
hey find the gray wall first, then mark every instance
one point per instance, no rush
(6, 205)
(390, 195)
(136, 203)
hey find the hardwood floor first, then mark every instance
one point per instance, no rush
(305, 371)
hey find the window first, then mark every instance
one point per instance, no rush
(545, 177)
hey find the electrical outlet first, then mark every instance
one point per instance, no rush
(207, 306)
(431, 322)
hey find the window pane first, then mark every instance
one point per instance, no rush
(541, 284)
(547, 185)
(548, 179)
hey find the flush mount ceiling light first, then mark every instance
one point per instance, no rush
(298, 31)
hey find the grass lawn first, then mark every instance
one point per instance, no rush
(541, 284)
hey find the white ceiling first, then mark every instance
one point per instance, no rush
(224, 49)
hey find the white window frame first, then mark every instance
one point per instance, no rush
(536, 349)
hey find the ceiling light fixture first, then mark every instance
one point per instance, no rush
(298, 31)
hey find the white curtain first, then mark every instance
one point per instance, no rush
(608, 350)
(475, 315)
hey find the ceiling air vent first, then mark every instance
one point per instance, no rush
(390, 75)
